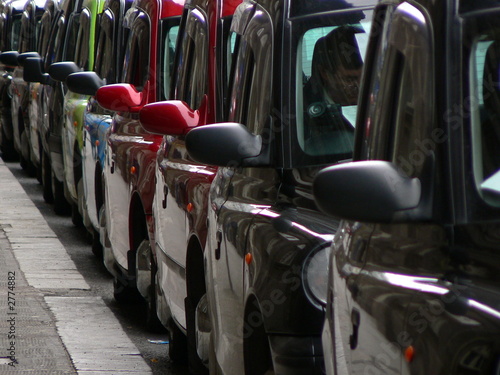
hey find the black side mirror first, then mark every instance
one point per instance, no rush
(33, 71)
(21, 59)
(225, 144)
(370, 191)
(61, 70)
(84, 83)
(9, 58)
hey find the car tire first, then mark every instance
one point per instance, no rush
(257, 352)
(97, 248)
(123, 292)
(8, 151)
(48, 197)
(25, 156)
(61, 205)
(153, 323)
(76, 217)
(177, 347)
(213, 366)
(195, 364)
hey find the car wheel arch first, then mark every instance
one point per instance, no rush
(256, 348)
(194, 266)
(138, 226)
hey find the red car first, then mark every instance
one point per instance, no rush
(202, 63)
(130, 150)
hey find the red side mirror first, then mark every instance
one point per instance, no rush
(172, 117)
(121, 97)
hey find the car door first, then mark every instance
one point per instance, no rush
(243, 192)
(175, 168)
(378, 268)
(124, 133)
(454, 321)
(98, 120)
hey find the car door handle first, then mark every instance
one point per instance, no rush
(165, 193)
(219, 241)
(355, 320)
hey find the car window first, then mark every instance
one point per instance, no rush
(54, 42)
(192, 80)
(16, 29)
(24, 34)
(321, 86)
(485, 107)
(43, 40)
(136, 66)
(82, 44)
(373, 142)
(71, 37)
(329, 67)
(168, 54)
(251, 87)
(241, 82)
(104, 66)
(404, 83)
(226, 64)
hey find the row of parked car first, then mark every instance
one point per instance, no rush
(191, 140)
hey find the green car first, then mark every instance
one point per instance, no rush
(75, 104)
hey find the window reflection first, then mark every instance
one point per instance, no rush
(485, 77)
(329, 66)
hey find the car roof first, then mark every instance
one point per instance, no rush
(170, 8)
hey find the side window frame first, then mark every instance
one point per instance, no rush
(478, 117)
(408, 46)
(165, 79)
(254, 64)
(136, 66)
(104, 65)
(193, 50)
(373, 80)
(82, 45)
(70, 38)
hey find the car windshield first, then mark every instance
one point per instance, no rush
(329, 66)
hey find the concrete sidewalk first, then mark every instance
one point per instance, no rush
(48, 325)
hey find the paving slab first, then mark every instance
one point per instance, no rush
(33, 335)
(43, 328)
(83, 324)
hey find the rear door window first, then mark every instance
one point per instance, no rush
(403, 83)
(484, 83)
(192, 74)
(136, 66)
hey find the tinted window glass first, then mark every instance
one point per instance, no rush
(326, 61)
(103, 64)
(71, 37)
(168, 60)
(250, 101)
(193, 61)
(14, 36)
(136, 67)
(485, 108)
(329, 66)
(399, 124)
(82, 46)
